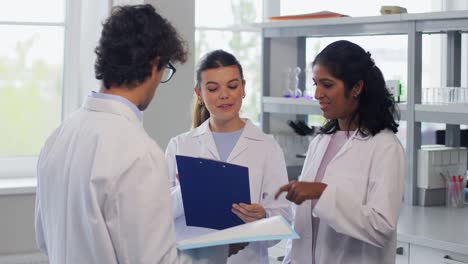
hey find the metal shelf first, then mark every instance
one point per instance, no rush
(448, 113)
(301, 106)
(367, 26)
(295, 32)
(343, 26)
(402, 109)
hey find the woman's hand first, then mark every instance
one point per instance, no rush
(249, 212)
(300, 191)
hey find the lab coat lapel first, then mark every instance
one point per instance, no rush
(317, 157)
(206, 141)
(112, 107)
(250, 133)
(240, 147)
(349, 143)
(344, 148)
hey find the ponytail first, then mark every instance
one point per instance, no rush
(377, 109)
(199, 112)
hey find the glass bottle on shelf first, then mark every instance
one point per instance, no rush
(287, 92)
(309, 91)
(295, 81)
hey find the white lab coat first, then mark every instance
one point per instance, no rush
(267, 172)
(102, 194)
(359, 209)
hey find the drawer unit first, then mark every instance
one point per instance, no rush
(426, 255)
(402, 253)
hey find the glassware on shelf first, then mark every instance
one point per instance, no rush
(457, 95)
(309, 91)
(455, 191)
(465, 95)
(393, 87)
(427, 96)
(287, 92)
(291, 83)
(295, 81)
(445, 95)
(466, 180)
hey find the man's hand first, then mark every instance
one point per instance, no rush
(235, 248)
(298, 192)
(249, 212)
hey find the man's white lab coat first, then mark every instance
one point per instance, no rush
(102, 194)
(359, 208)
(267, 172)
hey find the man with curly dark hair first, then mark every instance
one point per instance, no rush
(133, 49)
(102, 191)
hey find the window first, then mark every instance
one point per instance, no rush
(31, 70)
(233, 34)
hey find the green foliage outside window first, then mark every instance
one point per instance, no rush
(30, 101)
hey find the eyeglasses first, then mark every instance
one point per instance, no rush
(168, 73)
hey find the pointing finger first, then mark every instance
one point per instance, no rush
(284, 188)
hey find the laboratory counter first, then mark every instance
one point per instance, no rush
(435, 227)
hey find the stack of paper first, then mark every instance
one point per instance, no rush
(273, 228)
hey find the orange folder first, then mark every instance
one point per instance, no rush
(321, 14)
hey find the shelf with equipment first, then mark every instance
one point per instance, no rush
(299, 106)
(448, 113)
(302, 106)
(285, 41)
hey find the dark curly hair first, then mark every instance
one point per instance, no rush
(350, 63)
(131, 39)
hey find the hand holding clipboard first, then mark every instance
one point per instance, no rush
(209, 189)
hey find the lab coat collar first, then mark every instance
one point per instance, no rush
(203, 133)
(250, 132)
(349, 143)
(354, 135)
(360, 136)
(112, 107)
(324, 140)
(202, 129)
(121, 99)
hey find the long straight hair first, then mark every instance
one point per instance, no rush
(212, 60)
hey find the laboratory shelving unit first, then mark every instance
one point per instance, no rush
(303, 106)
(452, 23)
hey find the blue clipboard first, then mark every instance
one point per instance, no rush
(209, 188)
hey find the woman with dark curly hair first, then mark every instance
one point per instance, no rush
(351, 186)
(102, 192)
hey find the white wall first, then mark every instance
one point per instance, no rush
(17, 224)
(169, 113)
